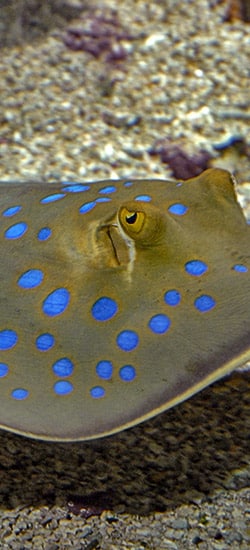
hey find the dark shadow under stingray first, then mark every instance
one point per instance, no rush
(181, 456)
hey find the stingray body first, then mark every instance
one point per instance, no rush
(118, 300)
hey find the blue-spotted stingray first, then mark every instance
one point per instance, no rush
(119, 299)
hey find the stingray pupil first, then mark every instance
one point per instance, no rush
(131, 219)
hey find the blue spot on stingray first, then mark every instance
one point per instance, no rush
(196, 268)
(127, 373)
(19, 394)
(97, 392)
(45, 341)
(127, 340)
(75, 187)
(4, 369)
(63, 387)
(179, 184)
(56, 302)
(8, 339)
(143, 198)
(16, 231)
(52, 198)
(172, 297)
(159, 323)
(178, 209)
(240, 268)
(103, 199)
(31, 278)
(128, 183)
(63, 367)
(104, 369)
(87, 207)
(44, 234)
(104, 309)
(204, 303)
(12, 211)
(108, 189)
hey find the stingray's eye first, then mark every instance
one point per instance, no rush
(144, 223)
(132, 221)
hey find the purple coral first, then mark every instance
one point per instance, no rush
(182, 165)
(98, 35)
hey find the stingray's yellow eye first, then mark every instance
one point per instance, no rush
(132, 218)
(132, 221)
(142, 222)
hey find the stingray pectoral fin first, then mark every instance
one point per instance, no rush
(105, 411)
(217, 181)
(158, 407)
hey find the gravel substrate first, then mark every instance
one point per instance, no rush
(178, 481)
(184, 77)
(173, 71)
